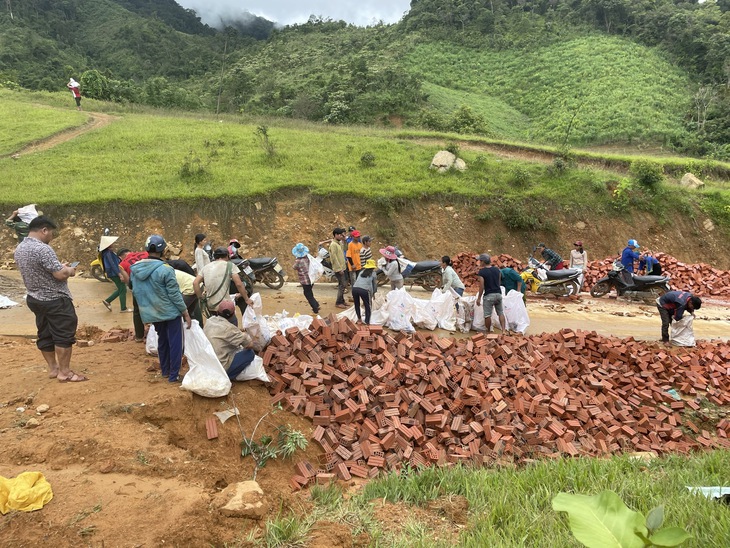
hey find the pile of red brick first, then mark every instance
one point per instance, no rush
(701, 279)
(379, 401)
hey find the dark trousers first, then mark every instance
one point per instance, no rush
(341, 286)
(309, 295)
(666, 316)
(353, 276)
(170, 346)
(241, 361)
(193, 305)
(56, 322)
(361, 294)
(137, 321)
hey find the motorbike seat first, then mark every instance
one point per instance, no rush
(650, 279)
(425, 266)
(561, 274)
(260, 262)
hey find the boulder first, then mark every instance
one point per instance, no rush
(443, 161)
(460, 164)
(690, 181)
(241, 500)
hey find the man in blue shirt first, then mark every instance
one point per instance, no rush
(629, 255)
(672, 306)
(650, 265)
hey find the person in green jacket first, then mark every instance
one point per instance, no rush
(16, 223)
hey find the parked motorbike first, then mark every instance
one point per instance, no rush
(328, 274)
(630, 285)
(247, 274)
(426, 274)
(543, 281)
(268, 270)
(97, 271)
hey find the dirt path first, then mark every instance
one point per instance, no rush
(96, 120)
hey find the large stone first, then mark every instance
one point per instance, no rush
(241, 500)
(460, 164)
(690, 181)
(443, 161)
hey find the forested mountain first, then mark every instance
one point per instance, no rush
(558, 71)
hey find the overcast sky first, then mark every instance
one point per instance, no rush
(286, 12)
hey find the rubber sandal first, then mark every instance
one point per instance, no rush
(108, 305)
(74, 378)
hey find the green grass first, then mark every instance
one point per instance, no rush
(627, 91)
(22, 123)
(512, 507)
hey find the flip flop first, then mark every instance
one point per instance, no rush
(74, 378)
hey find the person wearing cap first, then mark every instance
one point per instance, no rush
(578, 257)
(349, 238)
(353, 256)
(217, 277)
(75, 88)
(552, 259)
(339, 266)
(629, 255)
(160, 303)
(231, 345)
(201, 256)
(110, 262)
(49, 298)
(490, 279)
(233, 247)
(366, 252)
(392, 268)
(301, 267)
(672, 306)
(364, 288)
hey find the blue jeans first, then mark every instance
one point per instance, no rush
(241, 361)
(170, 346)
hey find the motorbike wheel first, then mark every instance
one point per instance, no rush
(382, 279)
(98, 273)
(573, 289)
(431, 282)
(272, 279)
(600, 289)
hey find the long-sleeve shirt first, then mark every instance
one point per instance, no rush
(628, 256)
(301, 266)
(337, 256)
(675, 302)
(369, 284)
(111, 262)
(201, 259)
(449, 279)
(365, 254)
(21, 228)
(551, 258)
(578, 259)
(392, 271)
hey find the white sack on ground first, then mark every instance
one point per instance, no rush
(254, 372)
(401, 308)
(150, 344)
(378, 314)
(206, 377)
(255, 324)
(682, 333)
(515, 312)
(425, 315)
(465, 313)
(444, 307)
(5, 302)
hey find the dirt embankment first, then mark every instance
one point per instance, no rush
(424, 229)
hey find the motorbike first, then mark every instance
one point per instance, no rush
(543, 281)
(426, 274)
(630, 285)
(97, 271)
(268, 270)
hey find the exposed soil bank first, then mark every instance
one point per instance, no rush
(424, 229)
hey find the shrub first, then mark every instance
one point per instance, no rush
(519, 176)
(647, 173)
(453, 148)
(367, 159)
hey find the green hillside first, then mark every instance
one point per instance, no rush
(616, 90)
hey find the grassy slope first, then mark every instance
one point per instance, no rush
(627, 91)
(22, 123)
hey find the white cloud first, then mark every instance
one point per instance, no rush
(286, 12)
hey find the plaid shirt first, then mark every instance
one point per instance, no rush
(37, 262)
(301, 265)
(551, 258)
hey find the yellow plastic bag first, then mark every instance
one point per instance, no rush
(27, 492)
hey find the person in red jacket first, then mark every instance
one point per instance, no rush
(125, 271)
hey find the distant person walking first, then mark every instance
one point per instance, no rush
(201, 255)
(161, 304)
(364, 288)
(301, 266)
(110, 261)
(49, 298)
(392, 268)
(75, 88)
